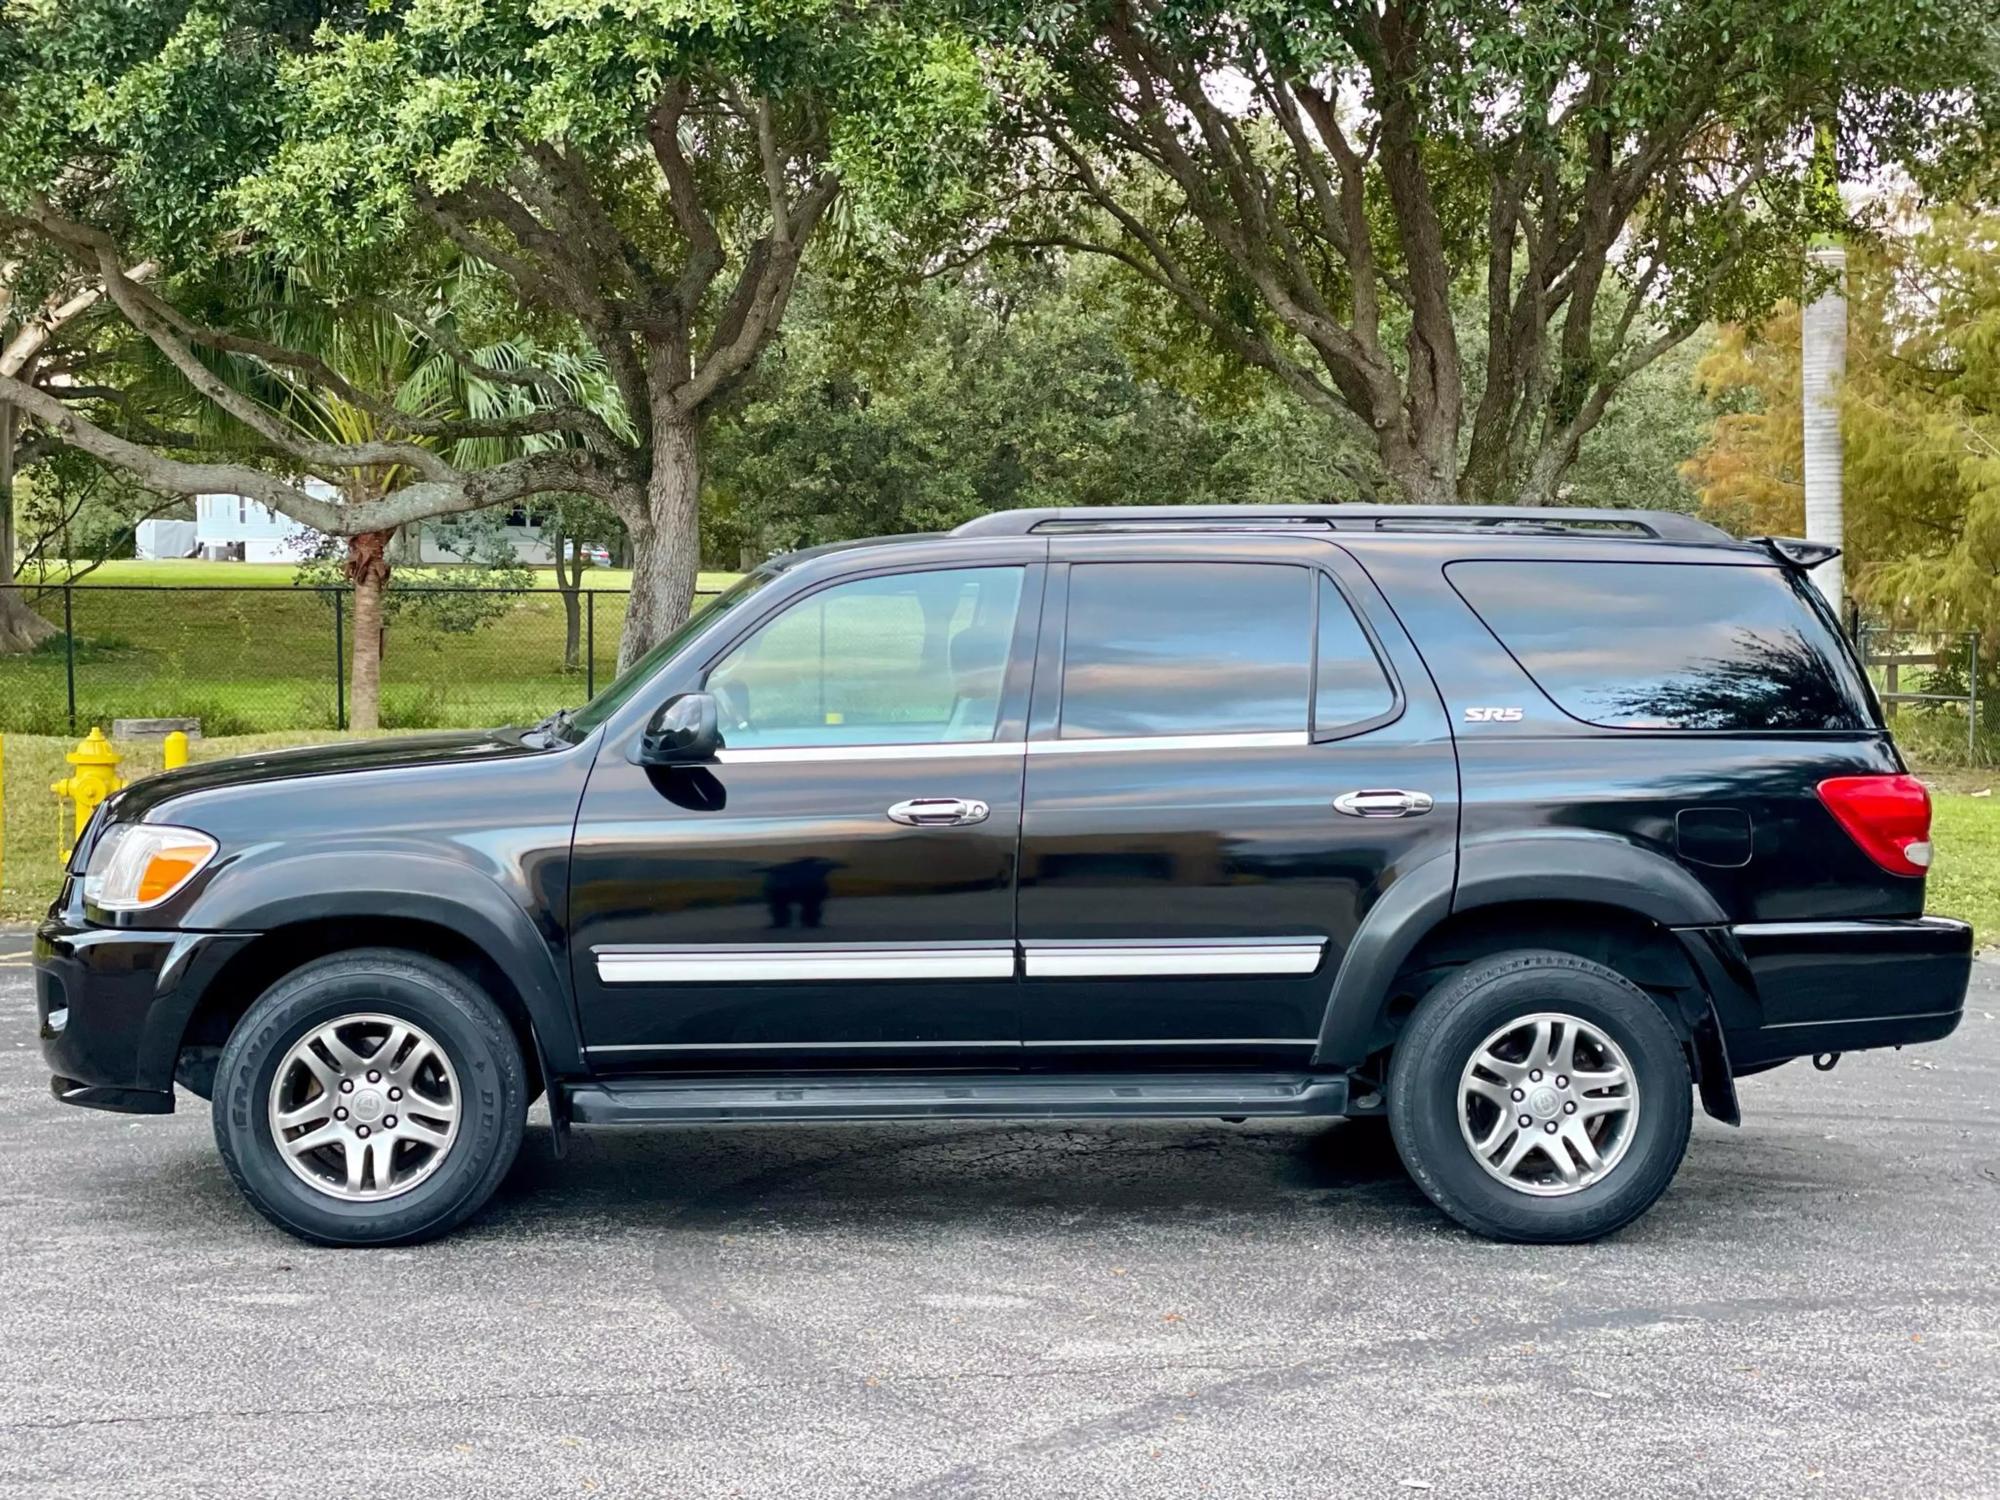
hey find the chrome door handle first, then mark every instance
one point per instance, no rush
(939, 812)
(1383, 802)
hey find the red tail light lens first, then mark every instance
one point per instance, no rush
(1888, 816)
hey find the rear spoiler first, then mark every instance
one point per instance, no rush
(1797, 551)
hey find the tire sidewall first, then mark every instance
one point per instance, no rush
(1424, 1105)
(491, 1107)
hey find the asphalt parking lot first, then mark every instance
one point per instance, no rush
(1159, 1310)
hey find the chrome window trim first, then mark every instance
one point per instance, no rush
(1271, 740)
(1287, 739)
(805, 754)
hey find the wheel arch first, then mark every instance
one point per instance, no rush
(512, 967)
(1598, 898)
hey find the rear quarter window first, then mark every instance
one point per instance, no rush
(1673, 646)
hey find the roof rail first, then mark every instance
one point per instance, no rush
(1655, 525)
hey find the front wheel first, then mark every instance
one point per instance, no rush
(1540, 1097)
(370, 1098)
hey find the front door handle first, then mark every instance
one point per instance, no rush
(939, 812)
(1383, 802)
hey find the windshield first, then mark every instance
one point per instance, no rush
(634, 677)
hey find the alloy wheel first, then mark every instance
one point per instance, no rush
(1547, 1104)
(364, 1107)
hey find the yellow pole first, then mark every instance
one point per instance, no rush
(174, 752)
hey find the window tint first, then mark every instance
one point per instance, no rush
(1669, 645)
(1351, 686)
(1185, 648)
(911, 658)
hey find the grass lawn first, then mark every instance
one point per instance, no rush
(29, 868)
(1965, 882)
(1965, 831)
(186, 572)
(245, 652)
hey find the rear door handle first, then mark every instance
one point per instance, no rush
(939, 812)
(1383, 802)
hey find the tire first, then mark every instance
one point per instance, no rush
(412, 1190)
(1438, 1102)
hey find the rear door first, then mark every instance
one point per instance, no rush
(1204, 708)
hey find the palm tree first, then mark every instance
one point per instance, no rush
(414, 360)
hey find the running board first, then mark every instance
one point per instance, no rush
(652, 1101)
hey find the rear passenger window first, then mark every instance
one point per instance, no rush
(1349, 685)
(1186, 648)
(1669, 645)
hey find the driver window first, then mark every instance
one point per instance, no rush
(903, 659)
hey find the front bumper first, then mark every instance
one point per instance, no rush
(112, 1005)
(1818, 987)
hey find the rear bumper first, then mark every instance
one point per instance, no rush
(111, 1006)
(1845, 986)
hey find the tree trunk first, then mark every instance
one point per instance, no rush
(21, 629)
(666, 547)
(569, 579)
(368, 572)
(1823, 360)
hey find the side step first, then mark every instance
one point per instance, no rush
(651, 1101)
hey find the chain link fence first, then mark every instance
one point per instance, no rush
(252, 660)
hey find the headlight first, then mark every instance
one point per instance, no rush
(137, 865)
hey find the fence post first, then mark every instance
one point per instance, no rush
(69, 650)
(1972, 703)
(589, 644)
(339, 664)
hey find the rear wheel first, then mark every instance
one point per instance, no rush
(370, 1098)
(1540, 1097)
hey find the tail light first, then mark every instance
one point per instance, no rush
(1888, 816)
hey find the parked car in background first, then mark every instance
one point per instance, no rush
(1522, 828)
(596, 556)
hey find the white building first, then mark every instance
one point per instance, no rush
(235, 528)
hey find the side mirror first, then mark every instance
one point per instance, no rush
(684, 732)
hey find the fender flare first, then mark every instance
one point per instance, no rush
(1572, 866)
(256, 898)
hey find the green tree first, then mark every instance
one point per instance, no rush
(1013, 387)
(1311, 187)
(1920, 417)
(644, 177)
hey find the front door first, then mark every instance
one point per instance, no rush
(1195, 852)
(837, 890)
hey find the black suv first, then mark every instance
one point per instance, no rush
(1518, 827)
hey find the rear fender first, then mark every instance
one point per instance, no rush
(1569, 867)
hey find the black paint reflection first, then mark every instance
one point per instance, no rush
(798, 889)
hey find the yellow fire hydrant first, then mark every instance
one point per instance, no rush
(94, 777)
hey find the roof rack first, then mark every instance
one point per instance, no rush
(1511, 520)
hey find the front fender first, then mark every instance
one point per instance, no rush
(258, 895)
